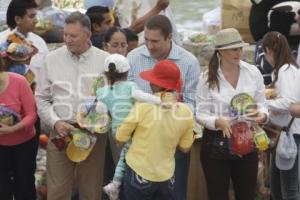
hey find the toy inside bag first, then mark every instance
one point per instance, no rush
(78, 144)
(18, 51)
(243, 104)
(81, 145)
(17, 48)
(93, 116)
(8, 116)
(261, 139)
(241, 138)
(50, 23)
(244, 131)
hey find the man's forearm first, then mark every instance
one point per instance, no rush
(137, 26)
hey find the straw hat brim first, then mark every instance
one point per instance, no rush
(233, 46)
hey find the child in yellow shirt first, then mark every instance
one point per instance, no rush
(156, 131)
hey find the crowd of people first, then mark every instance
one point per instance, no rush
(150, 96)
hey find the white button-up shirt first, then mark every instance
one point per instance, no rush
(66, 82)
(212, 104)
(287, 87)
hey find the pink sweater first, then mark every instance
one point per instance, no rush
(18, 97)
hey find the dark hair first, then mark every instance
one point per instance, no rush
(77, 16)
(18, 8)
(161, 23)
(282, 55)
(113, 75)
(130, 35)
(109, 33)
(213, 77)
(95, 13)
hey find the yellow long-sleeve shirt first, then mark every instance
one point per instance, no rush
(156, 132)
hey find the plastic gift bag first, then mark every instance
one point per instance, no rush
(241, 138)
(261, 139)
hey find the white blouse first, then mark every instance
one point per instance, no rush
(212, 104)
(287, 93)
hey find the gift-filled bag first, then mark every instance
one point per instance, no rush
(8, 116)
(260, 137)
(93, 116)
(81, 145)
(241, 138)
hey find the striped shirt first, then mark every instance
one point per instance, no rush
(141, 60)
(66, 83)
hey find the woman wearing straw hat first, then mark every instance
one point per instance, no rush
(228, 77)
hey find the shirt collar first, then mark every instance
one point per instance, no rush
(242, 68)
(173, 55)
(84, 56)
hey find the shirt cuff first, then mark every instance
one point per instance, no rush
(209, 122)
(121, 137)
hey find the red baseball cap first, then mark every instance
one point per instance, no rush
(165, 74)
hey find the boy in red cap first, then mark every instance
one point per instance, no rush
(158, 131)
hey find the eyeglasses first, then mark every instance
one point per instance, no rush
(117, 45)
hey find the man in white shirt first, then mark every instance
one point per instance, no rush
(66, 81)
(21, 16)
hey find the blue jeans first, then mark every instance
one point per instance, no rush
(182, 164)
(137, 188)
(285, 183)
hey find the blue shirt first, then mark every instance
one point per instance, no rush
(141, 60)
(118, 100)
